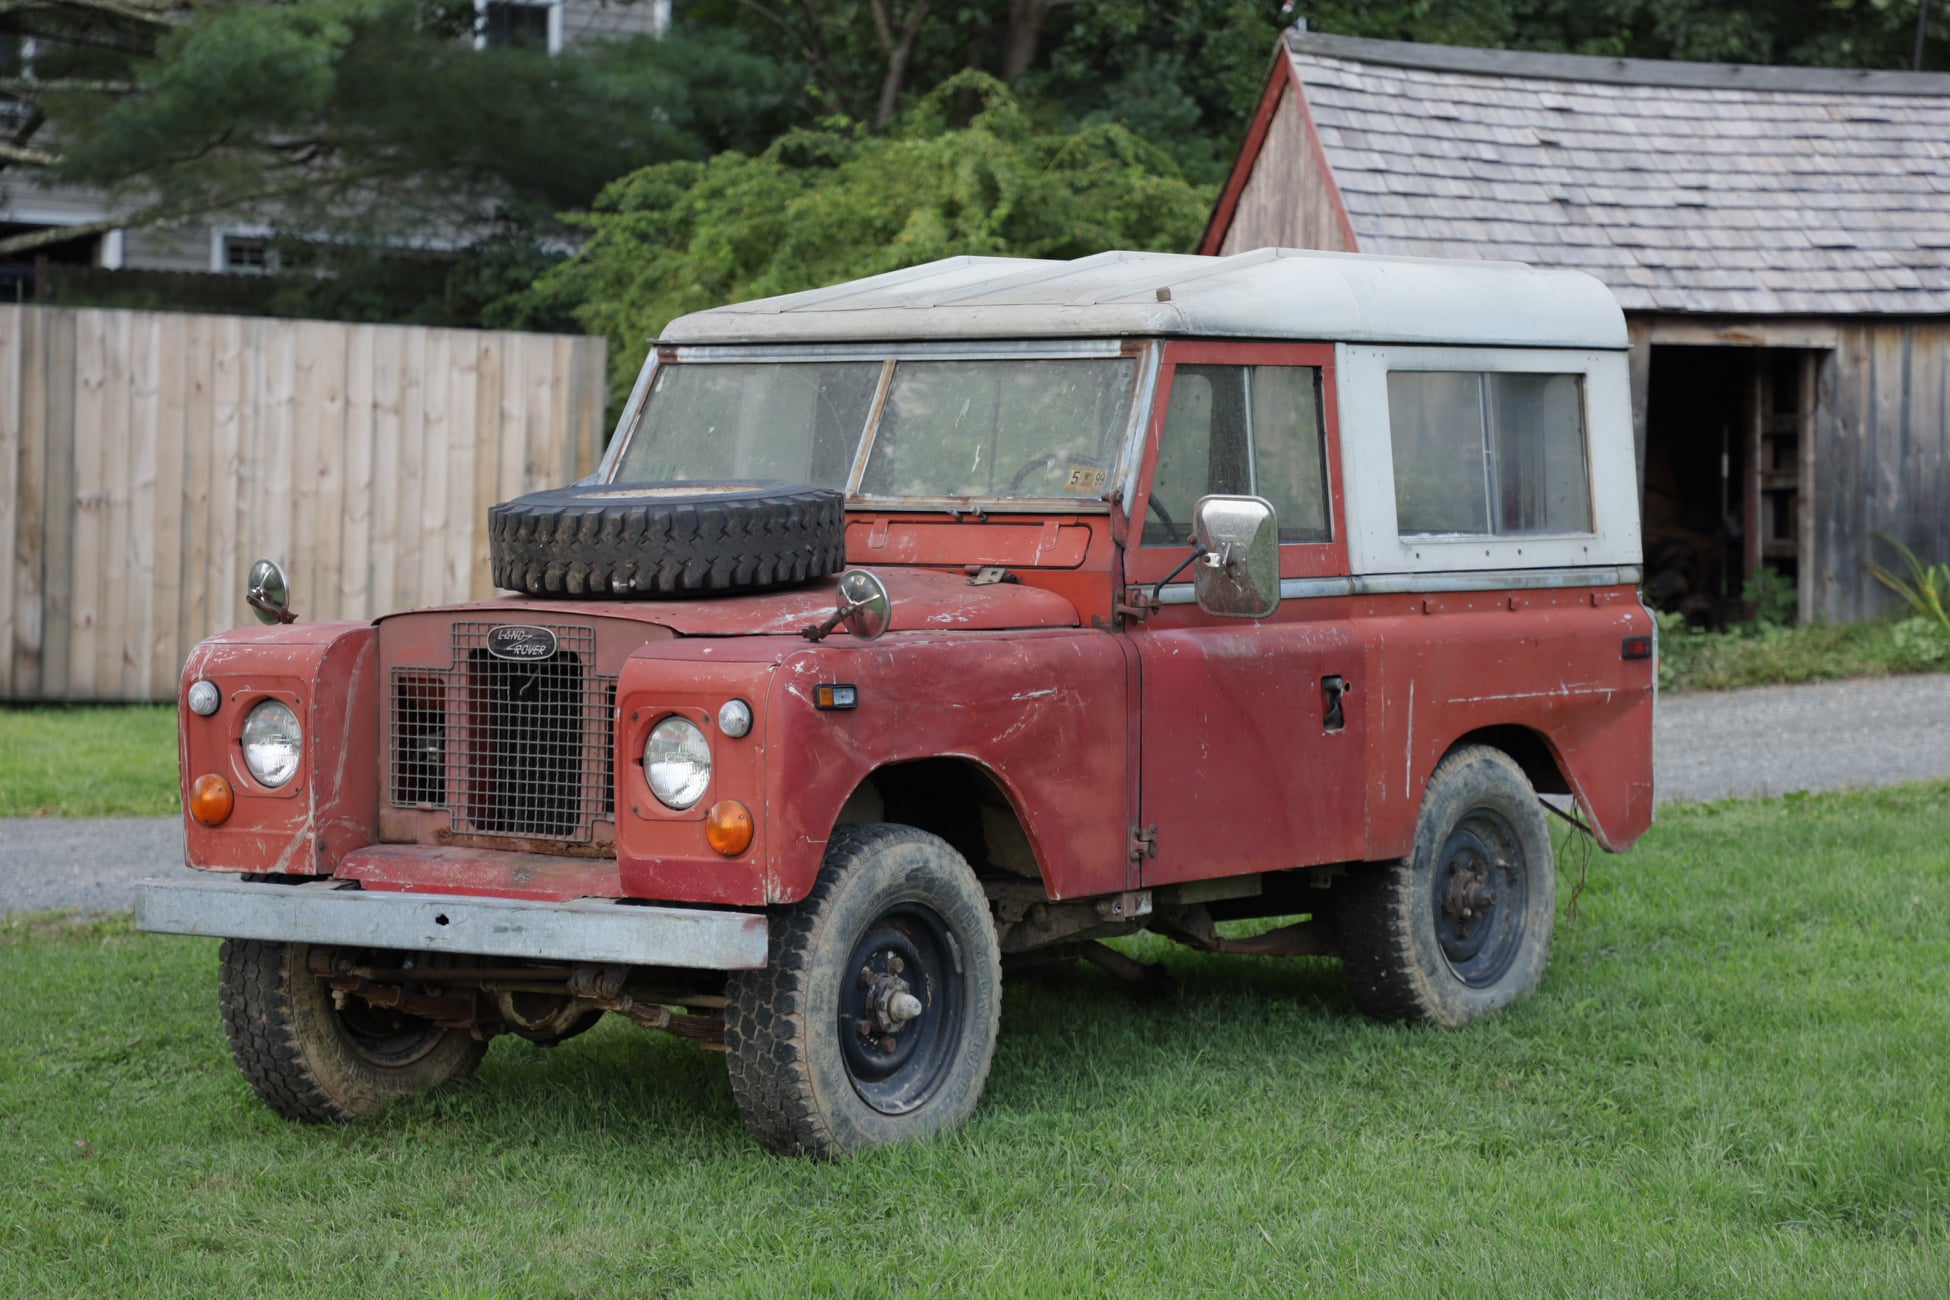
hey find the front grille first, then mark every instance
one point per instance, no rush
(507, 748)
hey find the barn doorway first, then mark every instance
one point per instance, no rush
(1728, 433)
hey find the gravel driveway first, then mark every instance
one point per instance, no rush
(1720, 745)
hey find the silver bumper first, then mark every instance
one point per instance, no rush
(322, 912)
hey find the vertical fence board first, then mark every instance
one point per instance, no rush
(23, 648)
(463, 455)
(486, 442)
(165, 646)
(387, 376)
(353, 599)
(199, 436)
(435, 469)
(231, 389)
(94, 415)
(133, 616)
(10, 456)
(413, 514)
(63, 401)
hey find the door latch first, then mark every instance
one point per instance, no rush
(1332, 691)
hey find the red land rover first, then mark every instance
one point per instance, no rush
(1186, 590)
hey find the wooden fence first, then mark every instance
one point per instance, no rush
(147, 458)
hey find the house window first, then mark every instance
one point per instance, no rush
(1252, 430)
(518, 24)
(248, 255)
(1488, 454)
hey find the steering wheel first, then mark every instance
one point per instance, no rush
(1172, 529)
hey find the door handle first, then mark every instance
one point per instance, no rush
(1332, 691)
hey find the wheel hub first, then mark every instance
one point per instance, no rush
(1470, 894)
(901, 1009)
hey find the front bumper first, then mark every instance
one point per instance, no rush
(325, 912)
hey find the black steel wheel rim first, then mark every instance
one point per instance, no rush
(384, 1037)
(897, 1067)
(1478, 895)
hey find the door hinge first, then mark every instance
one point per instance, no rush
(1144, 843)
(1137, 604)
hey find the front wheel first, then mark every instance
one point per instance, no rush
(311, 1059)
(1462, 927)
(874, 1018)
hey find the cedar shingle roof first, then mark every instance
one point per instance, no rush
(1684, 187)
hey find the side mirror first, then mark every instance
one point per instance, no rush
(268, 592)
(1238, 576)
(863, 606)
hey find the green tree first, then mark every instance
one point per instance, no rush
(835, 202)
(370, 122)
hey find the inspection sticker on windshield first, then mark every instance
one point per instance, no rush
(1086, 479)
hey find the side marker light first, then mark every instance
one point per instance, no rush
(211, 799)
(836, 695)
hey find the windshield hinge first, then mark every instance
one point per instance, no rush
(1144, 843)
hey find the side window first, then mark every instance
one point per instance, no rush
(1488, 454)
(1241, 430)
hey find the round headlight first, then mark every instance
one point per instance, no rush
(677, 759)
(272, 742)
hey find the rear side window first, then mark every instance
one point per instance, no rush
(1488, 454)
(1241, 430)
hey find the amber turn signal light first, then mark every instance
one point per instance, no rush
(211, 799)
(728, 826)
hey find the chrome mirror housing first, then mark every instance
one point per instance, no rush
(863, 606)
(268, 592)
(1238, 574)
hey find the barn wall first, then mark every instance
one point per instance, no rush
(1288, 201)
(1881, 459)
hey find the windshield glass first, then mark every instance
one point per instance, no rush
(1000, 428)
(1008, 427)
(798, 421)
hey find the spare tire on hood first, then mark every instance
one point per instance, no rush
(666, 539)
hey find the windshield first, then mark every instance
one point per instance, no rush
(1024, 427)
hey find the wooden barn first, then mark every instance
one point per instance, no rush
(1778, 237)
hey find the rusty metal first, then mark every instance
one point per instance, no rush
(1145, 979)
(1193, 927)
(428, 1006)
(589, 981)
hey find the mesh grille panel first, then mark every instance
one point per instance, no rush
(508, 748)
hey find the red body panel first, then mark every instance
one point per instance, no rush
(1050, 730)
(922, 598)
(329, 674)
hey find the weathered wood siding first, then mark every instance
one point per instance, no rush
(1288, 201)
(1881, 458)
(147, 458)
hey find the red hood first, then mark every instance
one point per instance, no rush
(923, 600)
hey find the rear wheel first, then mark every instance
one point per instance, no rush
(310, 1059)
(874, 1019)
(1462, 927)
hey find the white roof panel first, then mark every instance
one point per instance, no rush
(1269, 293)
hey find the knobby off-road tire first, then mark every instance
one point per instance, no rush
(630, 540)
(1462, 928)
(310, 1061)
(894, 911)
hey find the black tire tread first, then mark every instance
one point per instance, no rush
(775, 535)
(264, 1023)
(771, 1077)
(1379, 907)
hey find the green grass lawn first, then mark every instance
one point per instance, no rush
(1736, 1081)
(1819, 652)
(115, 760)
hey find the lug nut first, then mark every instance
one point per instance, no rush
(895, 965)
(888, 1044)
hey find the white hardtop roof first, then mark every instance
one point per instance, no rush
(1269, 293)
